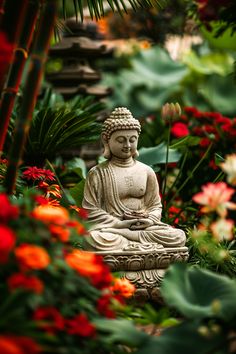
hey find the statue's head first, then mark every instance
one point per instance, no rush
(120, 128)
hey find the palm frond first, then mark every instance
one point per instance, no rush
(97, 8)
(60, 127)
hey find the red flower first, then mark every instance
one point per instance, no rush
(29, 282)
(34, 173)
(213, 165)
(174, 212)
(7, 211)
(104, 306)
(193, 112)
(179, 130)
(41, 200)
(11, 344)
(80, 325)
(52, 320)
(204, 142)
(6, 54)
(48, 175)
(83, 213)
(7, 242)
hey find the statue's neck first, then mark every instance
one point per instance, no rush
(122, 162)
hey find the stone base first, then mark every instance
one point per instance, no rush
(145, 268)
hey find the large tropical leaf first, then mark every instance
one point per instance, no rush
(157, 155)
(198, 293)
(185, 338)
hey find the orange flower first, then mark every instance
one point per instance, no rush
(32, 257)
(91, 266)
(51, 214)
(84, 262)
(60, 232)
(123, 287)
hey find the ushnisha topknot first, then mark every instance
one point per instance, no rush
(120, 119)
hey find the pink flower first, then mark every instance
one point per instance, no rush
(222, 229)
(179, 130)
(215, 197)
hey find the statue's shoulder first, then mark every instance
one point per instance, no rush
(144, 167)
(98, 168)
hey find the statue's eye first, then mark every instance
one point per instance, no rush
(132, 139)
(120, 139)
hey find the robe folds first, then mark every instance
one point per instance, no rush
(102, 201)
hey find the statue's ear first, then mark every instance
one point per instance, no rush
(104, 139)
(106, 152)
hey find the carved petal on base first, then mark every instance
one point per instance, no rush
(145, 268)
(145, 278)
(147, 283)
(145, 260)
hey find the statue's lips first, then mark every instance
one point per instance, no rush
(126, 150)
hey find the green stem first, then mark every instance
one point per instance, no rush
(16, 70)
(191, 174)
(218, 177)
(38, 57)
(166, 164)
(178, 175)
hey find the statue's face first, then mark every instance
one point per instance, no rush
(123, 143)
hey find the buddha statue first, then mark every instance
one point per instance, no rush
(122, 195)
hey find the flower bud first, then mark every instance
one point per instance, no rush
(204, 331)
(170, 111)
(216, 306)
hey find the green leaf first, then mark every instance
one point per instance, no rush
(212, 63)
(157, 155)
(198, 293)
(77, 192)
(220, 92)
(121, 331)
(186, 141)
(185, 339)
(78, 166)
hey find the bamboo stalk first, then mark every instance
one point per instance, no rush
(2, 3)
(38, 58)
(21, 54)
(13, 14)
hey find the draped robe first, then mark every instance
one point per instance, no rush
(103, 203)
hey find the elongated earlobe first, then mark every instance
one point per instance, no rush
(136, 154)
(106, 152)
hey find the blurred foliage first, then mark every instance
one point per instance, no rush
(153, 24)
(209, 316)
(151, 78)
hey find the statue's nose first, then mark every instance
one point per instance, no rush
(127, 144)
